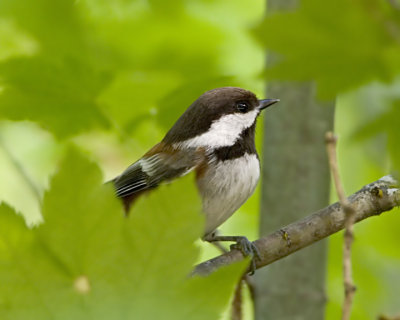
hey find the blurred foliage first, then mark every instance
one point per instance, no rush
(363, 158)
(388, 124)
(82, 68)
(346, 47)
(76, 67)
(340, 44)
(86, 261)
(62, 79)
(26, 167)
(111, 77)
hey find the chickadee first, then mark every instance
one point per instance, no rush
(215, 138)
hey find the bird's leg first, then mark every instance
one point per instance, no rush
(219, 247)
(242, 243)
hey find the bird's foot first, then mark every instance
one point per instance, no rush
(242, 244)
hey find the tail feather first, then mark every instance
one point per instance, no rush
(128, 199)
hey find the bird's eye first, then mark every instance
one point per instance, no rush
(242, 107)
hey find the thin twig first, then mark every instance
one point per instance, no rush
(237, 302)
(349, 287)
(373, 199)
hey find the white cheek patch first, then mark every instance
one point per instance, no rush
(223, 132)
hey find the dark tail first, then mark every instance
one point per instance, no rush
(128, 200)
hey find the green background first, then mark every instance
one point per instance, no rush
(86, 87)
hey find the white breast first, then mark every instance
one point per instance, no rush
(226, 186)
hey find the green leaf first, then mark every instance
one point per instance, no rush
(132, 97)
(28, 157)
(14, 42)
(388, 124)
(56, 25)
(91, 64)
(65, 104)
(86, 261)
(340, 45)
(59, 85)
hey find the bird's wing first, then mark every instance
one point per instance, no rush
(159, 165)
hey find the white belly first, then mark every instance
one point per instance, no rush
(226, 186)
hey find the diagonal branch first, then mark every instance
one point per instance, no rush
(373, 199)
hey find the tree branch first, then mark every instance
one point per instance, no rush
(373, 199)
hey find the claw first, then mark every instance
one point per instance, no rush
(248, 249)
(243, 245)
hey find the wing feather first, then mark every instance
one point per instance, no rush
(159, 165)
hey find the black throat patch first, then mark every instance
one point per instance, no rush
(244, 144)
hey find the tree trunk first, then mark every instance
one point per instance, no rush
(295, 181)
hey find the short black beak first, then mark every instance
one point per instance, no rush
(265, 103)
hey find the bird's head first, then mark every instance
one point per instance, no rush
(217, 118)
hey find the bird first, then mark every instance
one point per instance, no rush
(215, 138)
